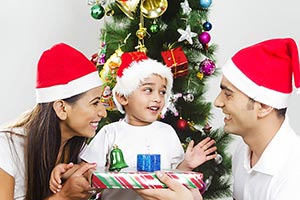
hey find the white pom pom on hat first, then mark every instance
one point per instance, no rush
(63, 72)
(134, 68)
(265, 71)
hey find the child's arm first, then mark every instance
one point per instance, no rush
(60, 172)
(197, 155)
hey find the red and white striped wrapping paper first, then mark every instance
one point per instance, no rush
(139, 180)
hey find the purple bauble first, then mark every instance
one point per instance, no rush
(204, 38)
(207, 67)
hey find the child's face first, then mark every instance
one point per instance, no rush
(144, 105)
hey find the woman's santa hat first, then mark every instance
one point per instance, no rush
(265, 71)
(64, 72)
(136, 67)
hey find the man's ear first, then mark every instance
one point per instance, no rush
(121, 99)
(60, 109)
(264, 110)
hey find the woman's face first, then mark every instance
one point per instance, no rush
(84, 115)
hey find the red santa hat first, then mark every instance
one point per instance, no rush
(63, 72)
(134, 68)
(265, 71)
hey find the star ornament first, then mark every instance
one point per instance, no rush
(186, 34)
(185, 7)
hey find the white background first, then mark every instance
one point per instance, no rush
(29, 27)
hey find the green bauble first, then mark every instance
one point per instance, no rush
(154, 28)
(97, 11)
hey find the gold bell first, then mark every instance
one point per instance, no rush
(128, 7)
(117, 159)
(153, 8)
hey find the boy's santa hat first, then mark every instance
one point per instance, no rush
(134, 68)
(265, 71)
(63, 72)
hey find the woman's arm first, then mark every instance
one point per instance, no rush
(7, 185)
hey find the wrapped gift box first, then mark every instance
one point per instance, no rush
(176, 60)
(139, 180)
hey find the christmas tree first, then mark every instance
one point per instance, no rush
(176, 34)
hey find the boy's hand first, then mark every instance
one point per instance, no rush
(197, 155)
(56, 175)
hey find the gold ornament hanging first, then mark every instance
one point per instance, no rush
(153, 8)
(128, 7)
(141, 32)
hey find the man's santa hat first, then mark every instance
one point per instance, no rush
(265, 71)
(63, 72)
(136, 67)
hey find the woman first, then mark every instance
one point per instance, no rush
(68, 111)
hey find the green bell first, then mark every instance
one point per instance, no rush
(117, 161)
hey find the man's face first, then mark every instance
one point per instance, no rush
(240, 111)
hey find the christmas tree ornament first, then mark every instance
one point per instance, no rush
(171, 105)
(141, 33)
(218, 159)
(182, 124)
(128, 7)
(186, 143)
(94, 59)
(200, 75)
(205, 3)
(154, 28)
(188, 97)
(176, 60)
(97, 11)
(207, 67)
(101, 54)
(186, 34)
(108, 75)
(191, 125)
(204, 38)
(107, 98)
(185, 7)
(91, 2)
(206, 129)
(117, 161)
(207, 26)
(208, 182)
(153, 8)
(109, 12)
(102, 50)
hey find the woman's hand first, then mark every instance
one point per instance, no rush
(175, 191)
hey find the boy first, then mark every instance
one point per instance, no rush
(143, 87)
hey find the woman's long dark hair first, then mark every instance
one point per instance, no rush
(43, 144)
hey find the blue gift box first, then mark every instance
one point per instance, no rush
(148, 162)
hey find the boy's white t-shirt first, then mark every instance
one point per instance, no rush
(12, 159)
(156, 138)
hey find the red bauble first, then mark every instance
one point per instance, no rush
(182, 124)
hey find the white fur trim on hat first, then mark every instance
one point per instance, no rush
(258, 93)
(70, 89)
(137, 72)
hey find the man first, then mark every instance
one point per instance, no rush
(255, 87)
